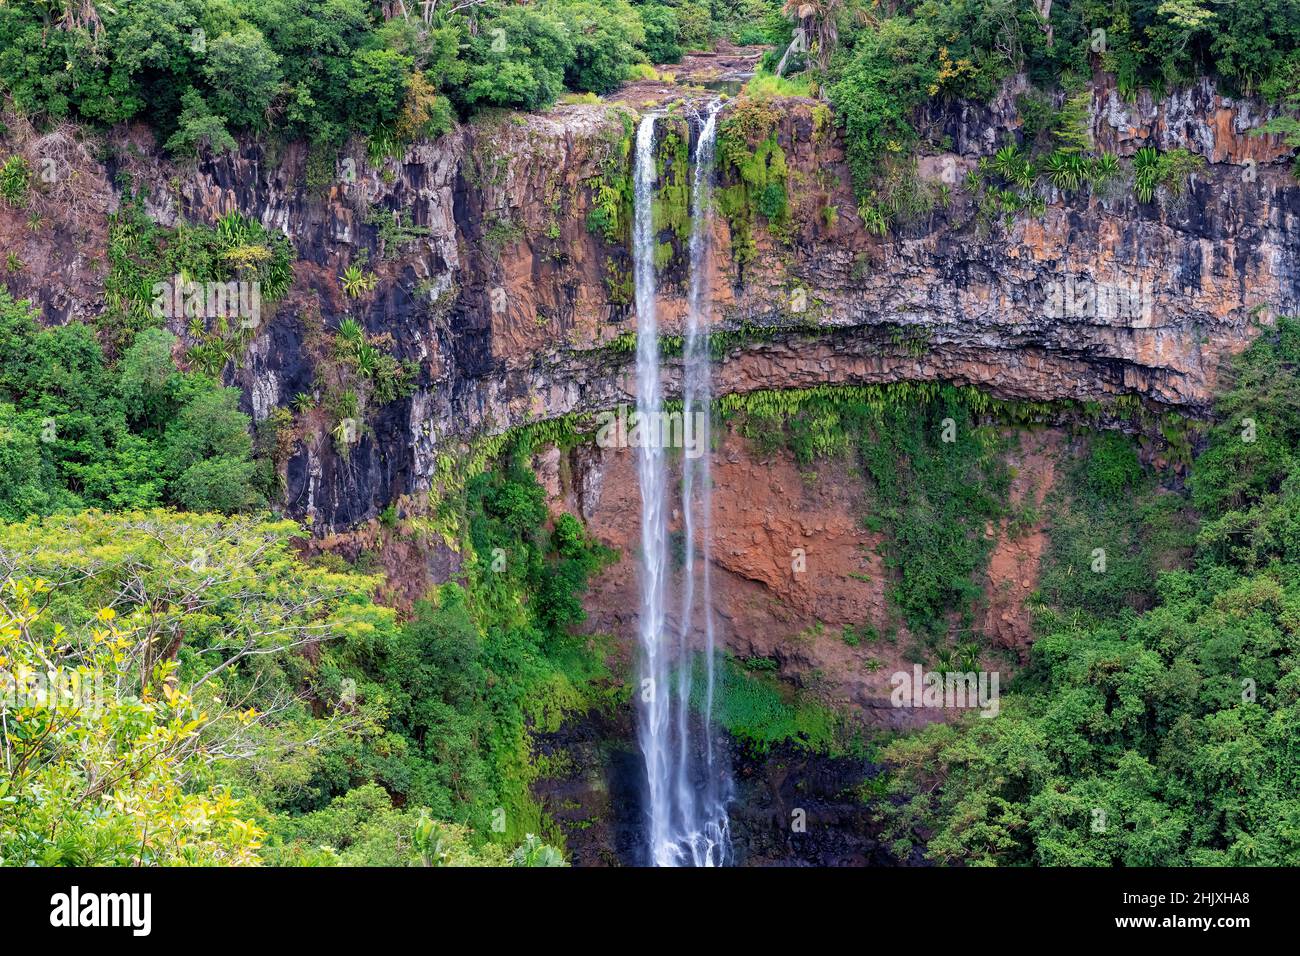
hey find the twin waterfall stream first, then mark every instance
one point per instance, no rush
(687, 775)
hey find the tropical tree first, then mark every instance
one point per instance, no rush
(94, 769)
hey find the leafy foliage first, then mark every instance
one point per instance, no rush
(1106, 501)
(15, 180)
(762, 713)
(203, 70)
(269, 706)
(1152, 169)
(148, 615)
(1164, 737)
(79, 433)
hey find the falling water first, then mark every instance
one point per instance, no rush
(687, 781)
(653, 729)
(706, 828)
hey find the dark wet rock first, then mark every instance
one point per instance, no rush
(508, 302)
(789, 807)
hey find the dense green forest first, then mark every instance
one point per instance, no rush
(1163, 736)
(1155, 723)
(252, 704)
(257, 701)
(200, 70)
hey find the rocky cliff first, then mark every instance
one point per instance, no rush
(501, 269)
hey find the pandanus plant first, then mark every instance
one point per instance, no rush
(367, 359)
(351, 332)
(356, 281)
(1068, 171)
(1146, 173)
(1013, 166)
(73, 15)
(820, 36)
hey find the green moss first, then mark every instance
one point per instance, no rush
(663, 255)
(1119, 408)
(613, 197)
(501, 232)
(619, 284)
(761, 188)
(762, 712)
(672, 201)
(755, 176)
(610, 215)
(765, 166)
(733, 201)
(822, 122)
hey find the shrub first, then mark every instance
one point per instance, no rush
(660, 24)
(208, 451)
(889, 74)
(224, 484)
(517, 59)
(198, 129)
(1113, 466)
(1068, 172)
(1152, 169)
(245, 76)
(606, 36)
(15, 180)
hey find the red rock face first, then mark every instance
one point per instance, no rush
(771, 518)
(1013, 563)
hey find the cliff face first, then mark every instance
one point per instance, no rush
(516, 308)
(766, 510)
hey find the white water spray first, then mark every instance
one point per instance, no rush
(654, 724)
(687, 782)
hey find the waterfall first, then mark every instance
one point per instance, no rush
(653, 728)
(687, 779)
(710, 838)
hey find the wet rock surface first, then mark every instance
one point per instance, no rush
(489, 278)
(794, 808)
(790, 807)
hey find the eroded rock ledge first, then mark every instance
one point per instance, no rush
(512, 305)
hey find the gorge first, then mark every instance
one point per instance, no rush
(916, 419)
